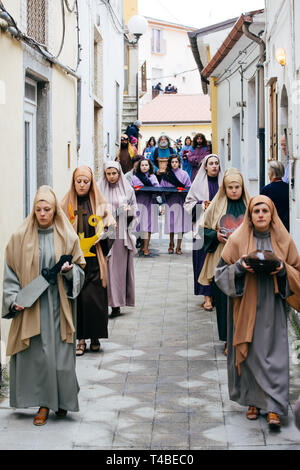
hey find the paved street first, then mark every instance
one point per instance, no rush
(160, 381)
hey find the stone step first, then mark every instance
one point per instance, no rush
(129, 107)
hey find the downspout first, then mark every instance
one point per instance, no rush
(78, 117)
(260, 102)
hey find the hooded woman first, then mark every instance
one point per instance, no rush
(176, 219)
(204, 188)
(41, 338)
(258, 355)
(83, 200)
(232, 198)
(147, 205)
(122, 202)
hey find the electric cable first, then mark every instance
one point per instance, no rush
(173, 74)
(71, 10)
(42, 47)
(64, 28)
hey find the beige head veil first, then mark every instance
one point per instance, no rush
(212, 217)
(22, 256)
(99, 207)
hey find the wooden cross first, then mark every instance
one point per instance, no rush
(80, 212)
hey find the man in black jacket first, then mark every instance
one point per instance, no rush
(278, 191)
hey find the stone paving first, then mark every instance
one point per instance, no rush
(159, 382)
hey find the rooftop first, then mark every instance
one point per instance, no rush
(168, 23)
(176, 109)
(235, 34)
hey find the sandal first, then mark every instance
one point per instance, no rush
(178, 251)
(61, 413)
(252, 413)
(95, 346)
(171, 249)
(80, 349)
(41, 418)
(207, 306)
(115, 312)
(273, 420)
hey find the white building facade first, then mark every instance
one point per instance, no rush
(166, 49)
(234, 73)
(283, 94)
(102, 74)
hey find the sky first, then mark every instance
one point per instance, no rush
(197, 13)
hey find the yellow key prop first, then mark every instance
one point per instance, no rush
(87, 243)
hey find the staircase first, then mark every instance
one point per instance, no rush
(130, 111)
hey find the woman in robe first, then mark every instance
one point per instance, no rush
(147, 205)
(232, 198)
(258, 354)
(203, 190)
(41, 337)
(83, 200)
(176, 219)
(122, 202)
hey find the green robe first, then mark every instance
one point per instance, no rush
(44, 374)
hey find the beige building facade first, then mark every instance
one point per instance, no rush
(38, 106)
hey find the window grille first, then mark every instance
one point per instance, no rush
(37, 20)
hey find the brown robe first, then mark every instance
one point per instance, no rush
(125, 160)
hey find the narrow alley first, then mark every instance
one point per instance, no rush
(160, 381)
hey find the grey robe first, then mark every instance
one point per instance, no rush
(44, 374)
(264, 379)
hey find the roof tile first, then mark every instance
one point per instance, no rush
(177, 108)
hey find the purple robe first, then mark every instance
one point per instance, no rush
(195, 157)
(147, 206)
(120, 275)
(177, 220)
(199, 255)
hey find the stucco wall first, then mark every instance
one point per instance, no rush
(11, 148)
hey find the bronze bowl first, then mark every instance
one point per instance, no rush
(262, 261)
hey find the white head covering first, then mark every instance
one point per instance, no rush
(199, 190)
(118, 195)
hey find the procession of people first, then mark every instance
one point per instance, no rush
(70, 262)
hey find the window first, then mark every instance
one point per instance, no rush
(157, 41)
(37, 20)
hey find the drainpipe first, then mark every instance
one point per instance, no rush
(260, 102)
(78, 118)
